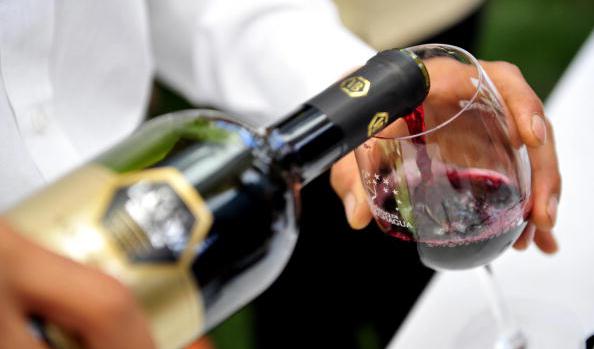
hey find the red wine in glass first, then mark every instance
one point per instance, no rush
(455, 181)
(467, 219)
(461, 218)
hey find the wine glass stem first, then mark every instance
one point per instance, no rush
(509, 334)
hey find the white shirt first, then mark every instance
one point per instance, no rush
(75, 74)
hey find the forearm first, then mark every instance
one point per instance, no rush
(255, 59)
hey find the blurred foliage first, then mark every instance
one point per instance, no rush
(237, 332)
(539, 36)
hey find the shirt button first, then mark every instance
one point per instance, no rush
(38, 121)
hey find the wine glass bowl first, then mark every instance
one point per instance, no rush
(454, 178)
(453, 175)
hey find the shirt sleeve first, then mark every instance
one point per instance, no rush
(256, 59)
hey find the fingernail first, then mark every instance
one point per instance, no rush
(539, 128)
(552, 209)
(349, 203)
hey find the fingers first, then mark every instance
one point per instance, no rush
(526, 238)
(525, 106)
(86, 302)
(345, 180)
(545, 241)
(542, 238)
(536, 132)
(14, 330)
(546, 183)
(202, 343)
(546, 189)
(80, 300)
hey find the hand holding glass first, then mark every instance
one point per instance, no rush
(454, 175)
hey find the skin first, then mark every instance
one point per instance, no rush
(102, 313)
(94, 307)
(81, 300)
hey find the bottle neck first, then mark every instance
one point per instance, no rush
(306, 143)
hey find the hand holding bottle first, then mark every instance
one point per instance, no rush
(78, 298)
(194, 213)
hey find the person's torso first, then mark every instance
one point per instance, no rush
(74, 78)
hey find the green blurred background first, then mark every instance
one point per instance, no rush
(540, 36)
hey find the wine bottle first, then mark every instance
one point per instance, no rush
(197, 213)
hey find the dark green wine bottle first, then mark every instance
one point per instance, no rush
(195, 212)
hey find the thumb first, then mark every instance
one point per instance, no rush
(345, 180)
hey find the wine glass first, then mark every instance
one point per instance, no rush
(453, 176)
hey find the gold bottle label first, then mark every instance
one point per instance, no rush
(142, 228)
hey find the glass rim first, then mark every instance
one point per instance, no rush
(480, 78)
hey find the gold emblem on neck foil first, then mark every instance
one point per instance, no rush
(378, 122)
(355, 86)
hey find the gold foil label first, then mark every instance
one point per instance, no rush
(355, 86)
(142, 228)
(378, 121)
